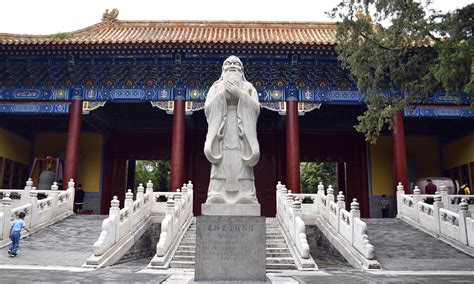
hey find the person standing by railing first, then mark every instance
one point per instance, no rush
(430, 188)
(15, 233)
(78, 199)
(385, 206)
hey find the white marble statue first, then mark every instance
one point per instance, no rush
(232, 110)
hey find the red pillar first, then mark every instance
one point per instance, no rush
(73, 141)
(177, 145)
(399, 151)
(292, 146)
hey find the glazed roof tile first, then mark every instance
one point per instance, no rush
(186, 32)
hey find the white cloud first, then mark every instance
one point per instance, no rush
(52, 16)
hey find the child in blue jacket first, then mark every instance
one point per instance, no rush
(15, 233)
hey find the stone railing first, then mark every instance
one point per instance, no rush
(178, 215)
(121, 222)
(56, 205)
(347, 224)
(444, 218)
(179, 210)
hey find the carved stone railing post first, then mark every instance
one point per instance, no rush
(149, 187)
(128, 205)
(340, 204)
(115, 211)
(437, 204)
(170, 208)
(25, 195)
(443, 191)
(149, 194)
(179, 208)
(141, 199)
(7, 216)
(330, 195)
(464, 214)
(34, 206)
(319, 196)
(297, 208)
(71, 189)
(354, 213)
(416, 198)
(400, 193)
(54, 194)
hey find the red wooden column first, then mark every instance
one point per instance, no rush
(178, 144)
(399, 151)
(292, 146)
(73, 141)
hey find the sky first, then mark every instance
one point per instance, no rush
(53, 16)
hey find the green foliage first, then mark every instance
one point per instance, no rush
(155, 170)
(312, 173)
(404, 48)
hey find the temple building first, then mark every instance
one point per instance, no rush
(119, 91)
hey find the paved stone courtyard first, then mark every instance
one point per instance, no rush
(134, 272)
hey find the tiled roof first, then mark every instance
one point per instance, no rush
(187, 32)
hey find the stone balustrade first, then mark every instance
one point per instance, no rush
(178, 214)
(122, 222)
(444, 218)
(347, 224)
(57, 205)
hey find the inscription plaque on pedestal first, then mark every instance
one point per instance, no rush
(230, 248)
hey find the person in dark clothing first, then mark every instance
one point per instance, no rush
(430, 188)
(385, 206)
(78, 199)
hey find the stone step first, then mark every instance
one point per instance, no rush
(271, 255)
(186, 258)
(276, 245)
(182, 247)
(275, 238)
(186, 252)
(280, 260)
(278, 250)
(276, 241)
(182, 264)
(279, 266)
(188, 243)
(188, 239)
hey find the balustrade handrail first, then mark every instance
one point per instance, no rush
(123, 222)
(442, 218)
(347, 224)
(38, 213)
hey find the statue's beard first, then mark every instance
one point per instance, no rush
(233, 77)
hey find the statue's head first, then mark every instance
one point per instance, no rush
(232, 64)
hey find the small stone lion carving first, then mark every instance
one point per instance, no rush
(110, 16)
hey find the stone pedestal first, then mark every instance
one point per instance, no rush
(230, 248)
(230, 209)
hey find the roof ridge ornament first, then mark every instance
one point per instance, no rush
(110, 17)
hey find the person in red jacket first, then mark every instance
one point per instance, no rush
(430, 188)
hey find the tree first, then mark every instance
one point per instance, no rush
(312, 173)
(155, 170)
(401, 52)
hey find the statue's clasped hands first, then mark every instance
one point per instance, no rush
(233, 88)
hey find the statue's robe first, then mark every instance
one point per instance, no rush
(231, 143)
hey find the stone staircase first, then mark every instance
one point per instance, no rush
(400, 246)
(278, 254)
